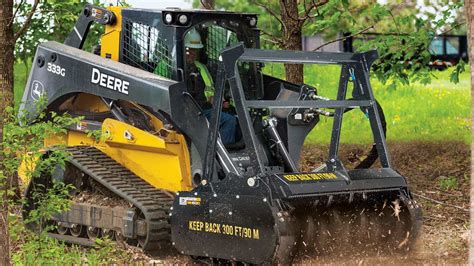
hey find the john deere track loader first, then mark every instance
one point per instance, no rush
(161, 172)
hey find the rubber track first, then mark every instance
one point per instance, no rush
(152, 202)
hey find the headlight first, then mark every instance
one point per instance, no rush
(183, 19)
(168, 18)
(253, 21)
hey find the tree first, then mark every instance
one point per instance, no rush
(7, 45)
(469, 8)
(6, 94)
(207, 4)
(292, 36)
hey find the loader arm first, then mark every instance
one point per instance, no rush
(90, 14)
(60, 70)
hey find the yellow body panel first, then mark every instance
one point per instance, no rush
(110, 41)
(162, 162)
(84, 102)
(27, 166)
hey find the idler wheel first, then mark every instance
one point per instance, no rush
(108, 233)
(62, 230)
(93, 232)
(77, 230)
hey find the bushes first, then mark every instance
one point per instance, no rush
(24, 143)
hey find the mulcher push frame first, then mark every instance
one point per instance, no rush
(354, 68)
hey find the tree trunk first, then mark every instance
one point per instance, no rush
(6, 99)
(207, 4)
(469, 7)
(292, 35)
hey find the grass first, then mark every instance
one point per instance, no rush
(440, 111)
(448, 183)
(20, 81)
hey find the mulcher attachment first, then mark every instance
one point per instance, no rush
(230, 225)
(315, 213)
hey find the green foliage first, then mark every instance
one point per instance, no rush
(23, 141)
(24, 135)
(36, 250)
(49, 201)
(20, 73)
(458, 69)
(96, 135)
(24, 138)
(43, 250)
(53, 20)
(107, 251)
(405, 57)
(448, 183)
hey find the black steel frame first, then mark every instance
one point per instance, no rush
(354, 68)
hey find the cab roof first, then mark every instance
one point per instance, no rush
(196, 11)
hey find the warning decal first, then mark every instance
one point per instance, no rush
(189, 201)
(310, 177)
(224, 229)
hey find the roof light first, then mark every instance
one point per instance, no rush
(168, 18)
(253, 21)
(183, 19)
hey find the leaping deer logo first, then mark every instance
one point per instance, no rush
(37, 90)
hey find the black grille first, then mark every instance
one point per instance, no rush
(218, 38)
(143, 47)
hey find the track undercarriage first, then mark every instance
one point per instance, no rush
(109, 200)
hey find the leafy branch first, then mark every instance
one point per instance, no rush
(27, 22)
(345, 37)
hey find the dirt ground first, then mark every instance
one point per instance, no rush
(446, 226)
(445, 210)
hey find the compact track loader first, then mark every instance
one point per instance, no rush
(161, 174)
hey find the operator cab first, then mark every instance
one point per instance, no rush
(169, 42)
(154, 40)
